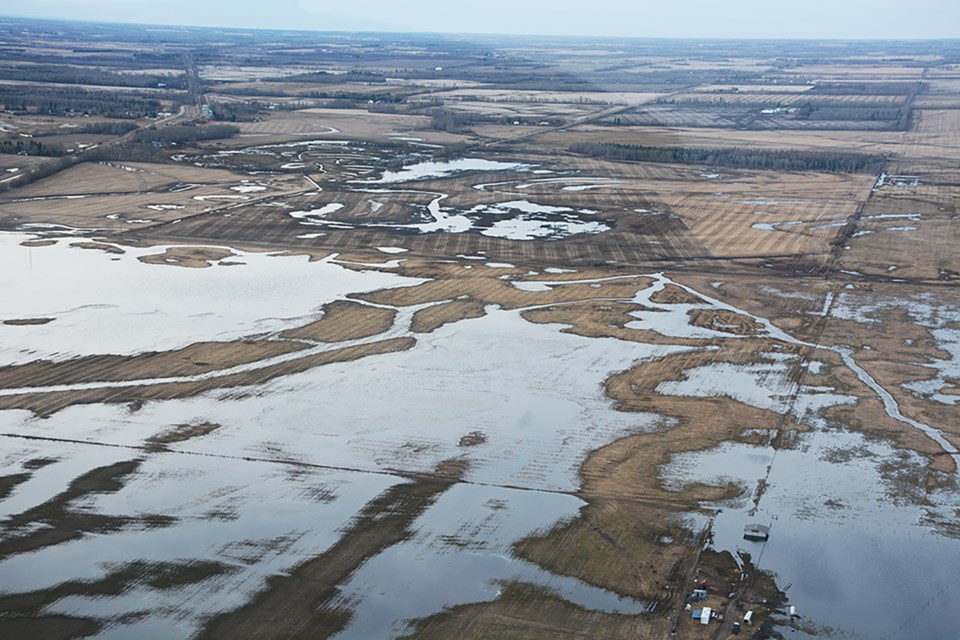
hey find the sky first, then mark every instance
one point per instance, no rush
(634, 18)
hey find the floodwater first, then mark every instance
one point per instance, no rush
(512, 219)
(856, 555)
(295, 459)
(107, 303)
(254, 519)
(854, 540)
(430, 169)
(446, 544)
(350, 159)
(940, 318)
(763, 385)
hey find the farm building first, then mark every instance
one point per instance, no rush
(756, 532)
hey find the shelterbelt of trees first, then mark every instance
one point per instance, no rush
(73, 100)
(825, 161)
(61, 73)
(186, 134)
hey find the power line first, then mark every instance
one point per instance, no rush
(923, 607)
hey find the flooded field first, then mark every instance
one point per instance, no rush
(204, 427)
(199, 504)
(364, 337)
(241, 502)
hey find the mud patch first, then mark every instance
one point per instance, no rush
(473, 439)
(26, 322)
(98, 246)
(191, 257)
(184, 432)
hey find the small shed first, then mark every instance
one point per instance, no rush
(705, 615)
(699, 594)
(756, 532)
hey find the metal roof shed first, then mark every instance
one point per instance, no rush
(756, 532)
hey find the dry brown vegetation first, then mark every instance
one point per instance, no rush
(191, 257)
(436, 316)
(526, 613)
(50, 402)
(345, 320)
(202, 357)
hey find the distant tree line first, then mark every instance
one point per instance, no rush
(533, 99)
(74, 100)
(898, 119)
(246, 111)
(894, 102)
(185, 134)
(455, 121)
(342, 104)
(825, 161)
(868, 88)
(324, 77)
(32, 148)
(452, 121)
(353, 96)
(128, 152)
(99, 128)
(89, 75)
(99, 57)
(810, 112)
(539, 76)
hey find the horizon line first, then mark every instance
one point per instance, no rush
(581, 36)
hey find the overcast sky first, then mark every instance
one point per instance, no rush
(639, 18)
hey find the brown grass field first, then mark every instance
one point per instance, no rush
(349, 124)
